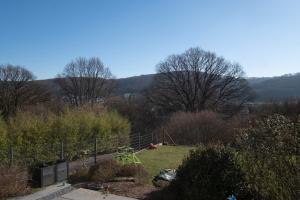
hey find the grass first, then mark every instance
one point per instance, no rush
(165, 157)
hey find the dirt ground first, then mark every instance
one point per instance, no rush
(131, 189)
(127, 189)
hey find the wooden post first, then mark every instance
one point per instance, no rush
(62, 150)
(152, 138)
(11, 155)
(163, 130)
(95, 150)
(139, 141)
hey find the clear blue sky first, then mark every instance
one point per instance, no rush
(132, 36)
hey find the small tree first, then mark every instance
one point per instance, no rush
(85, 81)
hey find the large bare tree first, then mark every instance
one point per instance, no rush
(196, 80)
(86, 81)
(17, 89)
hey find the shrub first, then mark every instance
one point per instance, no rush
(209, 173)
(113, 130)
(269, 152)
(36, 138)
(30, 137)
(3, 141)
(133, 170)
(104, 170)
(13, 181)
(194, 128)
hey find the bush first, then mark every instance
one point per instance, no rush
(205, 127)
(36, 138)
(31, 138)
(114, 131)
(133, 170)
(269, 152)
(104, 170)
(209, 173)
(108, 169)
(13, 181)
(3, 142)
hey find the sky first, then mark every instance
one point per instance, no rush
(132, 36)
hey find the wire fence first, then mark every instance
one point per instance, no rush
(140, 141)
(36, 154)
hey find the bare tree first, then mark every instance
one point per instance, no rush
(86, 81)
(197, 80)
(17, 89)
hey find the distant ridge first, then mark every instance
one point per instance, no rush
(266, 88)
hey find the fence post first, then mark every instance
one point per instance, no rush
(152, 138)
(95, 150)
(139, 140)
(163, 130)
(11, 155)
(62, 150)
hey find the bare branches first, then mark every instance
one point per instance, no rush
(17, 89)
(198, 80)
(86, 81)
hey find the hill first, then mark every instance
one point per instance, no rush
(266, 88)
(276, 88)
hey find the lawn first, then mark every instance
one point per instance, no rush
(165, 157)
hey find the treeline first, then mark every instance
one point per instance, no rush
(83, 81)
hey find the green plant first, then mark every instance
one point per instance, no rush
(36, 138)
(112, 130)
(126, 155)
(269, 154)
(31, 139)
(210, 173)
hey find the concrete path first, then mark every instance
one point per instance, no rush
(48, 193)
(85, 194)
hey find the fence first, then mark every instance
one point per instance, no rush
(32, 154)
(140, 141)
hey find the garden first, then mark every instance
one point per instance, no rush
(258, 162)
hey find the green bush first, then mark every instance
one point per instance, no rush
(113, 130)
(36, 138)
(31, 139)
(210, 173)
(269, 154)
